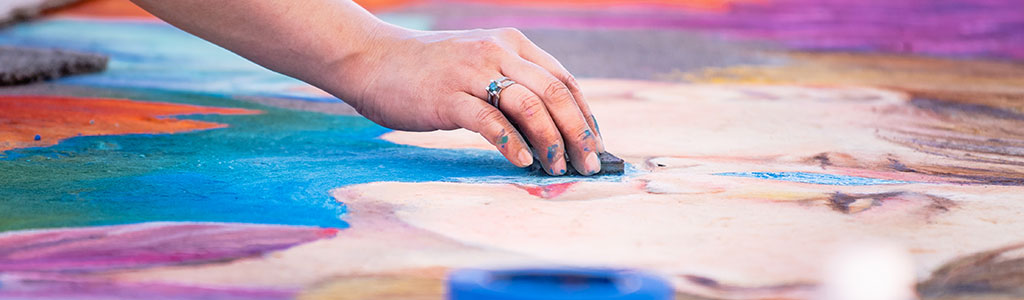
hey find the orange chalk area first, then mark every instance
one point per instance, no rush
(125, 9)
(378, 5)
(103, 9)
(54, 119)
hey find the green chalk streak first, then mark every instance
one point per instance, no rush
(411, 21)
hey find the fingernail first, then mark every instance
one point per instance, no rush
(593, 164)
(558, 168)
(525, 158)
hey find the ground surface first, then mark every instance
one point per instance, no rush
(763, 138)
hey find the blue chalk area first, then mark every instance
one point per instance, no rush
(274, 168)
(155, 55)
(815, 178)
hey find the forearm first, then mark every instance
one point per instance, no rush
(310, 40)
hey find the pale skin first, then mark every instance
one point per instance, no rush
(409, 79)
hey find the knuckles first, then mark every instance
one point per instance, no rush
(558, 94)
(486, 44)
(510, 33)
(570, 82)
(489, 115)
(529, 105)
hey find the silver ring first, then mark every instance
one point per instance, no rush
(494, 90)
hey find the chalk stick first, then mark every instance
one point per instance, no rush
(610, 165)
(20, 65)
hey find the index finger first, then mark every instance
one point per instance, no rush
(474, 114)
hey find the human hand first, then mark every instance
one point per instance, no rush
(430, 80)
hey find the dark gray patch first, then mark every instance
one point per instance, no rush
(899, 166)
(702, 281)
(727, 288)
(600, 52)
(642, 54)
(14, 12)
(967, 132)
(840, 202)
(994, 274)
(25, 65)
(823, 159)
(956, 108)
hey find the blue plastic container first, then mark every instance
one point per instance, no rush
(551, 284)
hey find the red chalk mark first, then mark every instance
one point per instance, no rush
(57, 118)
(546, 191)
(327, 233)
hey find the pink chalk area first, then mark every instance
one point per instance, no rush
(966, 28)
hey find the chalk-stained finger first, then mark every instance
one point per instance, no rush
(531, 115)
(476, 115)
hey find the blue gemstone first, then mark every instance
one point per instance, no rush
(493, 86)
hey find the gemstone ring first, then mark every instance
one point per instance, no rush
(494, 90)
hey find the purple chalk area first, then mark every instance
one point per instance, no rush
(144, 245)
(71, 289)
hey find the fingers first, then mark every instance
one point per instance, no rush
(535, 54)
(476, 115)
(531, 115)
(580, 140)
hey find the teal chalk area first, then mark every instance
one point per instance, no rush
(411, 21)
(155, 56)
(814, 178)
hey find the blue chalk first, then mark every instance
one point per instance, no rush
(815, 178)
(38, 137)
(550, 284)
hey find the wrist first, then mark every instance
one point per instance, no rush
(351, 67)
